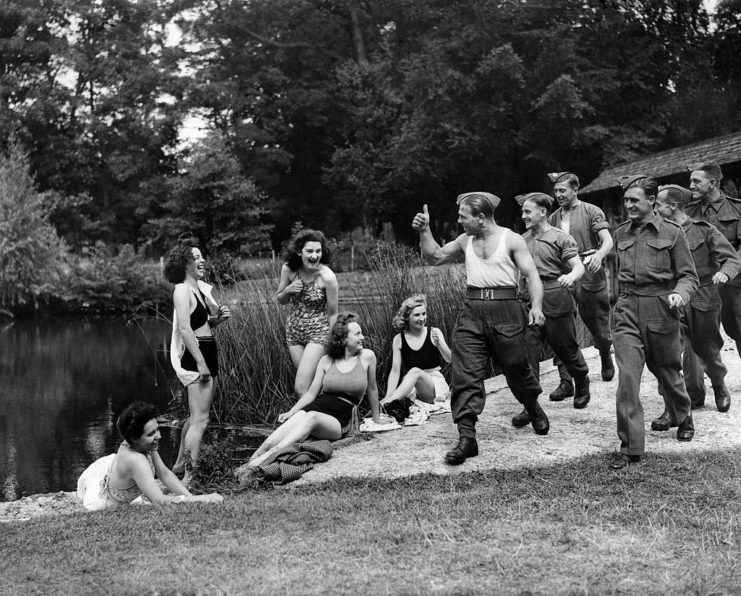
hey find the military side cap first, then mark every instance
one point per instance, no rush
(493, 200)
(534, 195)
(557, 177)
(627, 181)
(686, 192)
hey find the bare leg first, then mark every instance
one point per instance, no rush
(307, 367)
(417, 379)
(322, 426)
(180, 461)
(296, 352)
(200, 396)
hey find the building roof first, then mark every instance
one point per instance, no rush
(721, 150)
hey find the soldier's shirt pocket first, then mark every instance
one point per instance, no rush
(658, 257)
(626, 253)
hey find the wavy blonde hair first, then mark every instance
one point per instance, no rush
(400, 321)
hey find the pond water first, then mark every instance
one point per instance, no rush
(64, 382)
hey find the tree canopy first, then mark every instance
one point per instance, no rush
(343, 113)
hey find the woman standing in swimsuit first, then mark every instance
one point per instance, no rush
(130, 472)
(418, 350)
(344, 375)
(194, 355)
(311, 287)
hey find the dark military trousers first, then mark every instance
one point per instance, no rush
(559, 332)
(594, 309)
(488, 329)
(730, 312)
(646, 332)
(702, 342)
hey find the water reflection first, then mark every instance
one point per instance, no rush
(64, 383)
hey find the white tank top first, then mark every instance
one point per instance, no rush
(497, 270)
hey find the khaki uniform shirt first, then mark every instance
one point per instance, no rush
(655, 259)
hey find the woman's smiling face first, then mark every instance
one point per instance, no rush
(311, 255)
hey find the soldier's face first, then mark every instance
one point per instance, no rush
(640, 208)
(565, 195)
(532, 214)
(700, 184)
(663, 206)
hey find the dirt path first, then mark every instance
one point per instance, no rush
(420, 449)
(573, 433)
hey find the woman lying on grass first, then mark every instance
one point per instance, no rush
(122, 477)
(345, 374)
(419, 351)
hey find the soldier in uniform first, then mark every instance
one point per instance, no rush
(656, 276)
(556, 258)
(586, 223)
(711, 205)
(492, 321)
(716, 263)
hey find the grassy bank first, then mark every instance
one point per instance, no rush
(670, 525)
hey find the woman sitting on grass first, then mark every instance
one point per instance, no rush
(345, 374)
(120, 478)
(418, 350)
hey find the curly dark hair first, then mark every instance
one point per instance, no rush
(133, 419)
(334, 347)
(292, 252)
(400, 322)
(177, 261)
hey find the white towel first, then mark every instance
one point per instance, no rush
(177, 345)
(368, 426)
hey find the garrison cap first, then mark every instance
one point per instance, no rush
(557, 177)
(534, 195)
(493, 200)
(627, 181)
(685, 191)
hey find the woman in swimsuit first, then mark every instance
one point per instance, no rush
(311, 287)
(345, 374)
(196, 313)
(418, 350)
(130, 472)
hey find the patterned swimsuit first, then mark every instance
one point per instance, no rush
(308, 321)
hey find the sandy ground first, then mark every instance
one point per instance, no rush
(573, 433)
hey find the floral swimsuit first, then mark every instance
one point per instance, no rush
(308, 321)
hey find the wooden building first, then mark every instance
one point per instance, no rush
(667, 167)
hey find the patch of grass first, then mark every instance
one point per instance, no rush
(669, 525)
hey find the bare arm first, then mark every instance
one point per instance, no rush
(594, 262)
(372, 392)
(524, 262)
(141, 473)
(333, 292)
(432, 252)
(395, 374)
(577, 271)
(438, 340)
(287, 286)
(181, 298)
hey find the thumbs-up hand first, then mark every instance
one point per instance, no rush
(421, 221)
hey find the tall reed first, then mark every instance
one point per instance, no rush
(256, 374)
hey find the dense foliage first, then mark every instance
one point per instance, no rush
(341, 114)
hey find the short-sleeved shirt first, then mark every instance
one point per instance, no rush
(655, 255)
(585, 221)
(551, 252)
